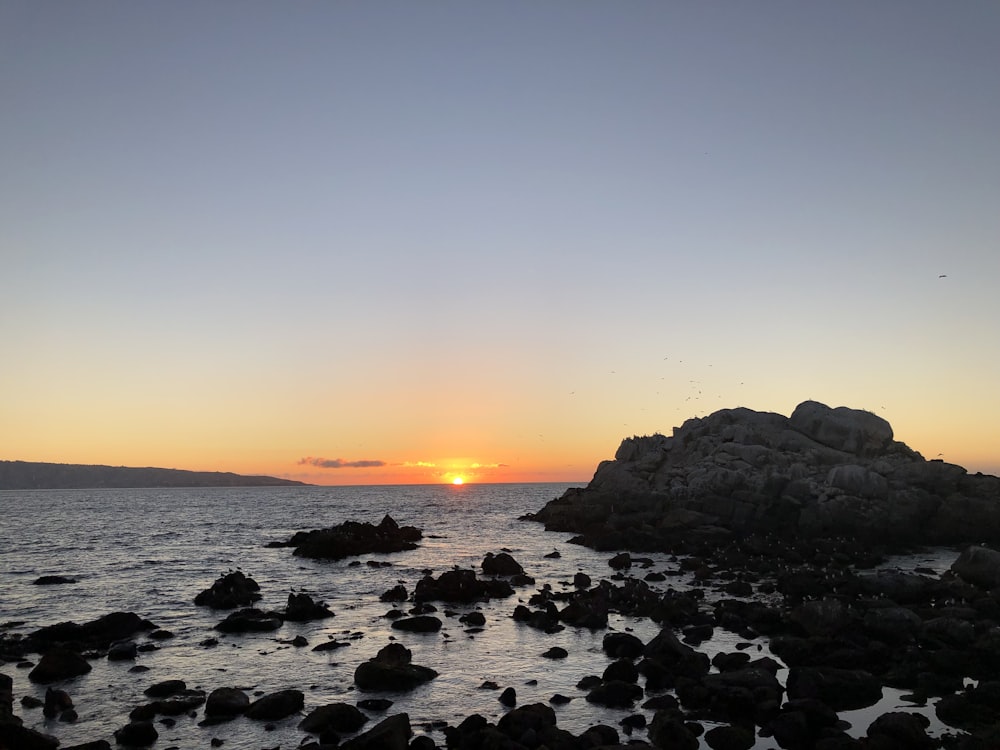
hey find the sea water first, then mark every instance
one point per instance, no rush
(151, 551)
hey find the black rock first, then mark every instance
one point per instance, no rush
(165, 688)
(227, 702)
(58, 664)
(250, 621)
(274, 706)
(392, 733)
(137, 733)
(615, 694)
(501, 565)
(391, 669)
(339, 717)
(232, 590)
(352, 538)
(302, 608)
(52, 580)
(418, 624)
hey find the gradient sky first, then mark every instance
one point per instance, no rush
(368, 242)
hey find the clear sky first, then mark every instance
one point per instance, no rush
(366, 242)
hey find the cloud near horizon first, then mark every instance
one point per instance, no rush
(339, 463)
(489, 466)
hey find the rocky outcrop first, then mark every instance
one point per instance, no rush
(96, 634)
(352, 538)
(821, 472)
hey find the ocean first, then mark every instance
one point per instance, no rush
(151, 551)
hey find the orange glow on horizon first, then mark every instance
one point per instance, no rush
(458, 480)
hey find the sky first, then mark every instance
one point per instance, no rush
(400, 242)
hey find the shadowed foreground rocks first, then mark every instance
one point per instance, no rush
(820, 473)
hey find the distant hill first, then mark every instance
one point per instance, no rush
(29, 475)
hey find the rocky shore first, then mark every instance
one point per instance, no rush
(741, 524)
(843, 633)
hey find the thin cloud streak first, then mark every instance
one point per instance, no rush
(339, 463)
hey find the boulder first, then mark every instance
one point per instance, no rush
(274, 706)
(302, 608)
(226, 702)
(250, 621)
(391, 669)
(137, 733)
(728, 737)
(666, 651)
(418, 624)
(615, 694)
(668, 730)
(979, 566)
(501, 564)
(56, 701)
(531, 717)
(123, 651)
(903, 729)
(840, 689)
(58, 664)
(232, 590)
(165, 688)
(622, 645)
(847, 430)
(893, 624)
(392, 733)
(175, 705)
(17, 737)
(826, 616)
(338, 717)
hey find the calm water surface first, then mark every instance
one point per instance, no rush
(150, 551)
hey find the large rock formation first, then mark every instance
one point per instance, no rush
(820, 473)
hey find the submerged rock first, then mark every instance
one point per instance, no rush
(53, 580)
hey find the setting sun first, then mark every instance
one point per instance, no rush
(458, 480)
